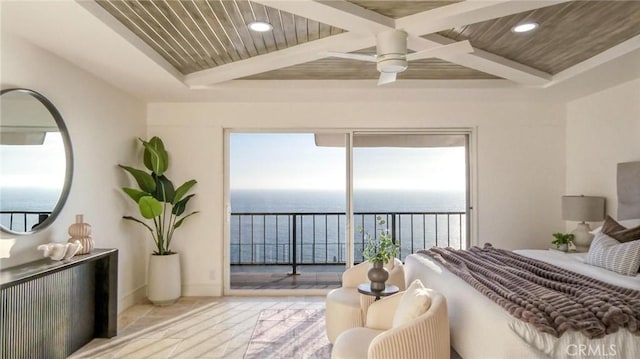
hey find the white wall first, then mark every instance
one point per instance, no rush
(520, 154)
(103, 123)
(603, 129)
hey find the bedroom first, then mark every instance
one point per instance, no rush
(543, 143)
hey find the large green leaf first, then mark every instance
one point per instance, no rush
(134, 193)
(164, 189)
(145, 180)
(182, 190)
(150, 207)
(179, 207)
(179, 223)
(155, 156)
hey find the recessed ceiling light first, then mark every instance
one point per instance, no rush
(260, 26)
(525, 27)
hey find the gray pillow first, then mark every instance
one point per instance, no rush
(608, 253)
(617, 231)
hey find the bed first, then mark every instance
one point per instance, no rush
(482, 329)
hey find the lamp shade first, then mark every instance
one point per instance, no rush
(583, 208)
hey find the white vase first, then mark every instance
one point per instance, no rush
(164, 285)
(81, 232)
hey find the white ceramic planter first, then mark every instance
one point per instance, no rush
(164, 285)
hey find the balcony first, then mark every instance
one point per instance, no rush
(22, 221)
(307, 250)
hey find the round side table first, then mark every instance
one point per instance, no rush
(365, 288)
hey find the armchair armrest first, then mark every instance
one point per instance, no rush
(355, 275)
(396, 275)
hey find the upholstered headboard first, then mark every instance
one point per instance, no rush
(629, 190)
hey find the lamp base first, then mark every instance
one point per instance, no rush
(581, 237)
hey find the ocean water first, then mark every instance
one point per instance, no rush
(262, 223)
(26, 199)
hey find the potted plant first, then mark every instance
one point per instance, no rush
(378, 251)
(562, 240)
(164, 207)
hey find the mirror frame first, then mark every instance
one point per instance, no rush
(68, 177)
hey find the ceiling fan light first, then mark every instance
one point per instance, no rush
(392, 65)
(524, 27)
(260, 26)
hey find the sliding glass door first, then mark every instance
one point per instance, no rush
(298, 200)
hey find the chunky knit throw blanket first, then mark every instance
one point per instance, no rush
(550, 298)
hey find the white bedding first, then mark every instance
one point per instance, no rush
(482, 329)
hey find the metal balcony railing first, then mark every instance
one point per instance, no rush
(319, 238)
(22, 221)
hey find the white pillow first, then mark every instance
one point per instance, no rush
(415, 302)
(629, 223)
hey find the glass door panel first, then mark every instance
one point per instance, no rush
(417, 183)
(288, 222)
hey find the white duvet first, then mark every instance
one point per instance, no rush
(572, 344)
(482, 329)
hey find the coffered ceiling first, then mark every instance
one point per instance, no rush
(203, 44)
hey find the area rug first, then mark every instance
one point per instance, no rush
(289, 334)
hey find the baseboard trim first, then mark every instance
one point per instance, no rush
(201, 290)
(134, 297)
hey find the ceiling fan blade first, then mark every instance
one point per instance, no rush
(343, 55)
(456, 48)
(386, 77)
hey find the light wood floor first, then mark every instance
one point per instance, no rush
(194, 327)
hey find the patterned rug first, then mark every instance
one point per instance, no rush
(289, 334)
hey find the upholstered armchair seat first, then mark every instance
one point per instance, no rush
(425, 337)
(344, 305)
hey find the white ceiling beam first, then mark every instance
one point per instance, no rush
(465, 13)
(308, 51)
(489, 63)
(338, 13)
(612, 53)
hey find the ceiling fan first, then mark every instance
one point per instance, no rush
(392, 57)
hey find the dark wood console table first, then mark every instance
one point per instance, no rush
(49, 309)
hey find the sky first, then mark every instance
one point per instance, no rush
(34, 165)
(293, 161)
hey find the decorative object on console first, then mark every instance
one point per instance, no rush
(562, 240)
(379, 250)
(583, 209)
(81, 232)
(158, 200)
(60, 251)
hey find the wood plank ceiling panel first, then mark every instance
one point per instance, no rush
(568, 33)
(194, 35)
(400, 8)
(342, 69)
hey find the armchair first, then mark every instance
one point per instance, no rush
(426, 337)
(344, 306)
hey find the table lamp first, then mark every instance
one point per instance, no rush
(582, 209)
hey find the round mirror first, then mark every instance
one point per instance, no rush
(35, 161)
